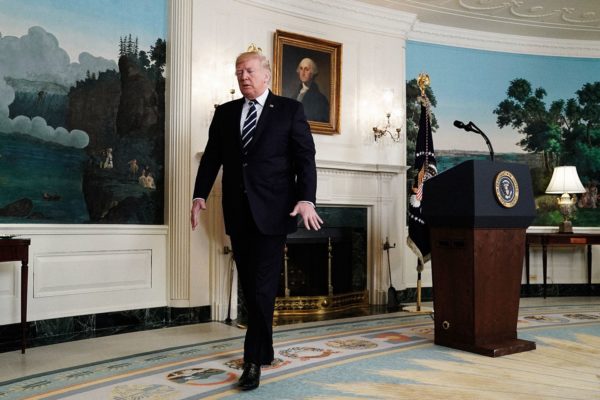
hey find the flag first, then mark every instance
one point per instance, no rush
(425, 167)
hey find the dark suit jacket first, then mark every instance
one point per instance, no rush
(277, 171)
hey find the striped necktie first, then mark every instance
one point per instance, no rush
(249, 124)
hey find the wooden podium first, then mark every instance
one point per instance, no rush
(478, 213)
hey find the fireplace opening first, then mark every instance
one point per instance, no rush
(326, 270)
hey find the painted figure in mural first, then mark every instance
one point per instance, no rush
(108, 161)
(133, 168)
(146, 179)
(150, 181)
(593, 194)
(589, 199)
(316, 105)
(264, 144)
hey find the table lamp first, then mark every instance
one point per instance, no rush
(565, 181)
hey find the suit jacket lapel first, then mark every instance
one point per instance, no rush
(236, 120)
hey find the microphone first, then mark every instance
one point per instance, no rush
(471, 127)
(467, 127)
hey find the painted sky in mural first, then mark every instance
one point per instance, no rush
(469, 84)
(81, 25)
(36, 30)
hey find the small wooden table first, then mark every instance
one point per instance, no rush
(18, 250)
(560, 239)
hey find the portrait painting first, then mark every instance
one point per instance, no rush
(309, 70)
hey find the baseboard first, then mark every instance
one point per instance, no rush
(59, 330)
(409, 295)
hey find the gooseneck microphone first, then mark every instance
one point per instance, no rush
(461, 125)
(471, 127)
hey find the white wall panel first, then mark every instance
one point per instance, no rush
(79, 273)
(8, 279)
(79, 270)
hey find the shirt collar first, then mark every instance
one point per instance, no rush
(262, 98)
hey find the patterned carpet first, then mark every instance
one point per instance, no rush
(388, 357)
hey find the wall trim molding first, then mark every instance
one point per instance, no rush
(361, 167)
(82, 229)
(457, 37)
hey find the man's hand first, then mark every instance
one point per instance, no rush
(309, 215)
(197, 206)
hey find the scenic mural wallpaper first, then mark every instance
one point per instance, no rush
(82, 111)
(543, 111)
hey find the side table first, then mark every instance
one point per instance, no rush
(18, 250)
(560, 239)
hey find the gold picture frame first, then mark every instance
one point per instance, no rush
(321, 97)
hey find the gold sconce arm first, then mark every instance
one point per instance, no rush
(378, 133)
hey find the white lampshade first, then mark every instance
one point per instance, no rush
(565, 180)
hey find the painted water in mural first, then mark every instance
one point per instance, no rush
(531, 109)
(82, 111)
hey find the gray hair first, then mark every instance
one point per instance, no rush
(313, 66)
(264, 61)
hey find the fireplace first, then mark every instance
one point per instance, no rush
(326, 270)
(360, 204)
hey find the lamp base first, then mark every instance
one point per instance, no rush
(565, 227)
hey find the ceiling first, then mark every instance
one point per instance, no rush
(564, 19)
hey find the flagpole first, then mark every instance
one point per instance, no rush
(425, 167)
(418, 309)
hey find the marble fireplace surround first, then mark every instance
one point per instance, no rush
(378, 188)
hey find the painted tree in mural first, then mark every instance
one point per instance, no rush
(413, 112)
(158, 54)
(525, 111)
(582, 131)
(566, 132)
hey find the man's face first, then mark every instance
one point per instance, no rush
(252, 78)
(305, 72)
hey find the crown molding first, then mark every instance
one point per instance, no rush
(350, 14)
(566, 19)
(437, 34)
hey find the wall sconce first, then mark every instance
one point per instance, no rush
(387, 129)
(564, 181)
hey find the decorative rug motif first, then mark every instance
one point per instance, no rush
(388, 357)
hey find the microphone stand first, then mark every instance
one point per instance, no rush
(487, 140)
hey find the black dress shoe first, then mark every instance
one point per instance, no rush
(250, 377)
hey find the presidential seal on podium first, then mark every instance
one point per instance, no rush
(507, 189)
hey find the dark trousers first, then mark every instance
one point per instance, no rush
(259, 261)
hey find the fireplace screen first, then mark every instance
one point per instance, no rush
(326, 270)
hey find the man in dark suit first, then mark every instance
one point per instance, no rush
(264, 144)
(315, 103)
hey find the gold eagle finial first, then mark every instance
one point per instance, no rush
(254, 49)
(423, 81)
